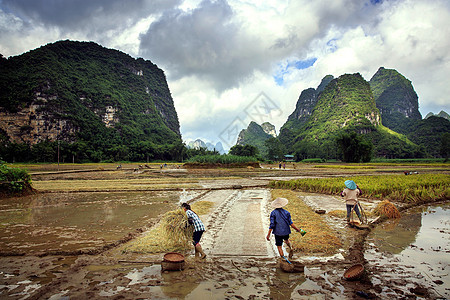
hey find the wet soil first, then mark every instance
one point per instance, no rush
(240, 263)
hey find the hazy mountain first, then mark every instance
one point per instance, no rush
(255, 135)
(198, 143)
(269, 129)
(441, 114)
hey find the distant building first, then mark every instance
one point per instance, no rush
(289, 157)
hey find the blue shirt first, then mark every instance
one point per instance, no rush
(198, 224)
(280, 221)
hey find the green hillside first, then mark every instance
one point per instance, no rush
(303, 109)
(256, 136)
(73, 86)
(347, 105)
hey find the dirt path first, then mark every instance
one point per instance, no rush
(238, 223)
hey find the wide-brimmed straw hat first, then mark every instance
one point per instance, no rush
(350, 184)
(279, 202)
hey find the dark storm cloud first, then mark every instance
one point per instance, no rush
(82, 15)
(206, 42)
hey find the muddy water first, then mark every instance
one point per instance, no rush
(74, 221)
(412, 252)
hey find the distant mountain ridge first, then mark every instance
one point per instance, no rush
(441, 114)
(198, 143)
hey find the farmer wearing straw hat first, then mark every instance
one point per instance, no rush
(350, 194)
(199, 228)
(280, 223)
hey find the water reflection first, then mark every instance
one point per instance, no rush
(395, 235)
(180, 285)
(282, 285)
(414, 248)
(72, 221)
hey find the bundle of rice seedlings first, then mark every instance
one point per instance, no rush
(386, 209)
(176, 227)
(172, 234)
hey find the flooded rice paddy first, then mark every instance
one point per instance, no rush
(411, 251)
(77, 221)
(406, 258)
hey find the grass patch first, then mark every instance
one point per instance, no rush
(419, 188)
(222, 159)
(320, 238)
(344, 167)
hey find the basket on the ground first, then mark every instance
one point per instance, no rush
(173, 257)
(173, 261)
(293, 267)
(354, 272)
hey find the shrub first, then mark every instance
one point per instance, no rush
(13, 180)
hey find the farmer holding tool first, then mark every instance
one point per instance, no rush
(350, 194)
(199, 228)
(280, 223)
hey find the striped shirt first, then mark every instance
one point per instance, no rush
(198, 224)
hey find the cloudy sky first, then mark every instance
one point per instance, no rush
(229, 62)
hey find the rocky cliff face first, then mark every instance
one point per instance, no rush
(395, 98)
(31, 125)
(303, 110)
(78, 91)
(269, 129)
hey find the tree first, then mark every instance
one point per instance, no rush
(354, 147)
(445, 145)
(275, 149)
(246, 150)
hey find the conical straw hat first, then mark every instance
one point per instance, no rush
(279, 202)
(350, 184)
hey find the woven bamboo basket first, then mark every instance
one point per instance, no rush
(354, 272)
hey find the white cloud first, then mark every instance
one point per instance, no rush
(219, 55)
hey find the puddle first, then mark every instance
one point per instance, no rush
(73, 221)
(414, 250)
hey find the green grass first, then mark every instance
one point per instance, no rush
(223, 159)
(416, 188)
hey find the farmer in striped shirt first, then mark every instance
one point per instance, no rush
(199, 228)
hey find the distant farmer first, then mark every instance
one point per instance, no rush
(199, 228)
(280, 223)
(350, 194)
